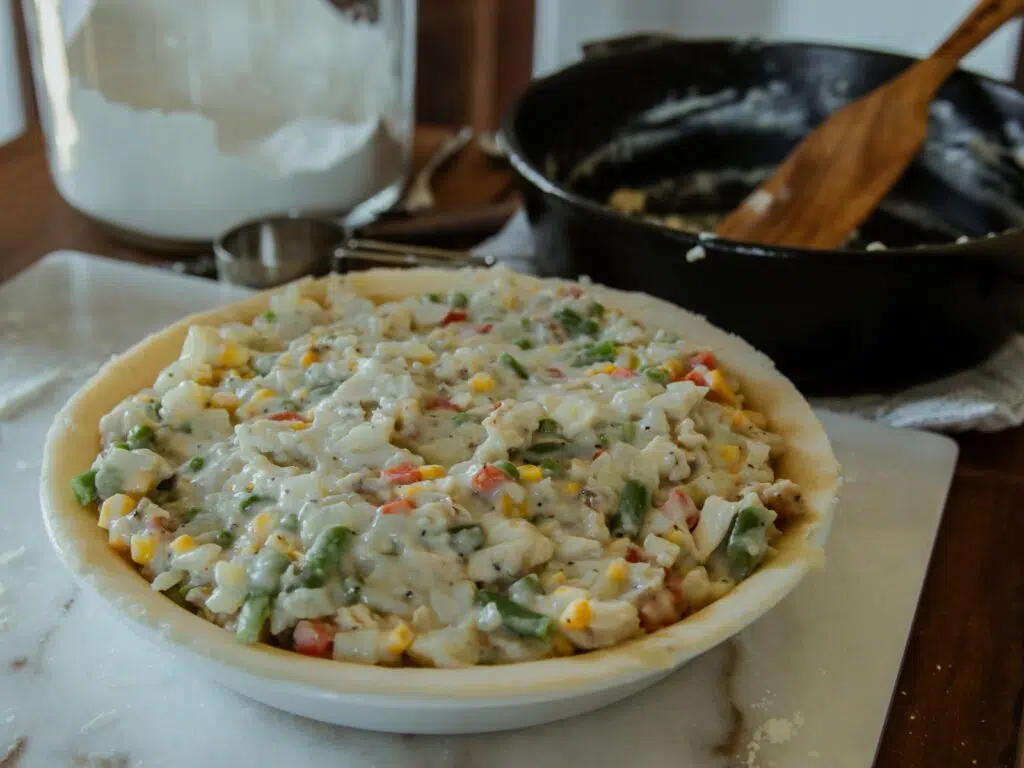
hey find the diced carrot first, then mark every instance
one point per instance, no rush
(597, 453)
(572, 290)
(634, 554)
(703, 358)
(314, 638)
(680, 509)
(403, 474)
(485, 328)
(399, 507)
(454, 316)
(623, 373)
(697, 378)
(555, 373)
(489, 478)
(285, 416)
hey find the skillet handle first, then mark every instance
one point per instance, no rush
(622, 43)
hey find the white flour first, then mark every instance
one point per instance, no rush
(180, 119)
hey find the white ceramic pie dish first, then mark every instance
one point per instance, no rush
(417, 700)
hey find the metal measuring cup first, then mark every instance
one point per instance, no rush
(270, 251)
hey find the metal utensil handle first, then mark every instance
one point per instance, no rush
(396, 254)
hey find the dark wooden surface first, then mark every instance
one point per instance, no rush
(959, 698)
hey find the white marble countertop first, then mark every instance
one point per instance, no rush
(808, 685)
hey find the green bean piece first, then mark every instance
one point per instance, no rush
(659, 375)
(84, 487)
(324, 557)
(508, 468)
(467, 539)
(530, 583)
(569, 319)
(264, 572)
(289, 523)
(628, 518)
(141, 436)
(746, 545)
(196, 463)
(108, 482)
(525, 323)
(552, 466)
(524, 344)
(590, 327)
(249, 501)
(517, 619)
(435, 298)
(548, 427)
(122, 445)
(224, 539)
(597, 353)
(507, 360)
(459, 300)
(254, 614)
(463, 418)
(595, 309)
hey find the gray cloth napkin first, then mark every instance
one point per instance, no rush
(989, 397)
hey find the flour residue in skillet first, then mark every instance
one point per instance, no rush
(983, 167)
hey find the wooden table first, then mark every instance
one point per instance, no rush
(960, 694)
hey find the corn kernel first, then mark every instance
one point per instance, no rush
(716, 381)
(260, 525)
(631, 359)
(757, 419)
(309, 357)
(432, 471)
(617, 571)
(426, 359)
(263, 394)
(573, 488)
(412, 490)
(282, 545)
(563, 646)
(233, 355)
(555, 579)
(530, 473)
(674, 367)
(117, 506)
(730, 455)
(482, 382)
(510, 508)
(510, 301)
(143, 548)
(676, 537)
(400, 638)
(606, 368)
(224, 400)
(298, 426)
(738, 419)
(182, 544)
(577, 615)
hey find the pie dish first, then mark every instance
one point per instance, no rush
(435, 570)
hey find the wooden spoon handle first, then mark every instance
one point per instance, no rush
(984, 19)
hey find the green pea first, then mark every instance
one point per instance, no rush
(249, 501)
(524, 344)
(270, 316)
(224, 539)
(84, 487)
(508, 468)
(463, 418)
(141, 436)
(659, 375)
(459, 300)
(196, 463)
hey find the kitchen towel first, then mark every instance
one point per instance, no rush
(988, 398)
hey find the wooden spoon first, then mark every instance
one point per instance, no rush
(836, 177)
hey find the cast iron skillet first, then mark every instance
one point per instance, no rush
(837, 322)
